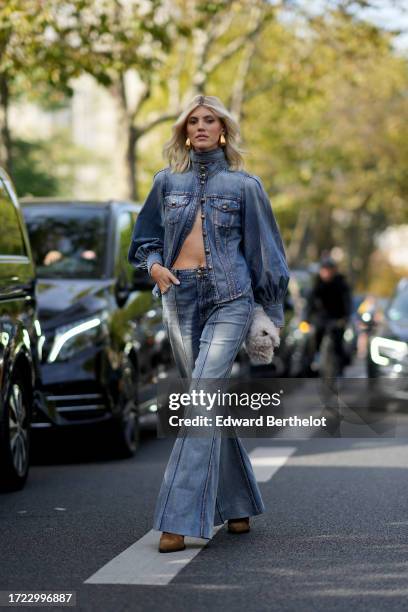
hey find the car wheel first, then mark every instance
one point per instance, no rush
(125, 433)
(15, 437)
(125, 429)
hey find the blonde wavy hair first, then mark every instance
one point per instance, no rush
(175, 150)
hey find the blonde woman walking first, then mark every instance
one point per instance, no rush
(208, 237)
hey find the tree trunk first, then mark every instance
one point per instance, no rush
(298, 242)
(131, 157)
(324, 231)
(123, 137)
(5, 137)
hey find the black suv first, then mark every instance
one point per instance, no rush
(19, 340)
(104, 343)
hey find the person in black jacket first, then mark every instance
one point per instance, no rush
(329, 301)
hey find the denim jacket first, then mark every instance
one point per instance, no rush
(243, 246)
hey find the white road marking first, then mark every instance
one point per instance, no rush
(267, 460)
(141, 563)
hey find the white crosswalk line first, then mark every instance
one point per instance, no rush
(141, 563)
(266, 461)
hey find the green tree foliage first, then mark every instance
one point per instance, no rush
(34, 61)
(321, 97)
(30, 173)
(114, 41)
(332, 138)
(47, 167)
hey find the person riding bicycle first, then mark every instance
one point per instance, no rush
(329, 308)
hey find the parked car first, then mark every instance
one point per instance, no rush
(387, 357)
(19, 340)
(104, 344)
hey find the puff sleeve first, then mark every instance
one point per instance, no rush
(146, 247)
(264, 251)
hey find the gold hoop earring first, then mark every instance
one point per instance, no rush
(188, 143)
(222, 140)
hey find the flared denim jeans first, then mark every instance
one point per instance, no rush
(209, 479)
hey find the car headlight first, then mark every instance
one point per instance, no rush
(384, 349)
(74, 337)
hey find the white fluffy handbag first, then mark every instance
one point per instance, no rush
(262, 338)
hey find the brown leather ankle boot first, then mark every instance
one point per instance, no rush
(239, 525)
(171, 542)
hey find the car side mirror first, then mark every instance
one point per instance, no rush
(141, 280)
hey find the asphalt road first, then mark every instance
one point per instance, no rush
(333, 537)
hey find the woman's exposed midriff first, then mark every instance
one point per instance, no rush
(192, 251)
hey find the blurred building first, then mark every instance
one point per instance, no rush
(91, 121)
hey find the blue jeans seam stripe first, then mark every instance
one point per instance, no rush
(208, 347)
(181, 334)
(249, 487)
(183, 438)
(218, 508)
(189, 366)
(170, 486)
(212, 444)
(206, 487)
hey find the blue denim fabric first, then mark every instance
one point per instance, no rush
(243, 246)
(207, 479)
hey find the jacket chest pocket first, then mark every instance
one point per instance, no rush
(174, 206)
(226, 213)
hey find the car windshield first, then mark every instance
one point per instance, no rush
(67, 241)
(398, 309)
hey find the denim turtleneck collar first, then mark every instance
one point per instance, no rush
(210, 159)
